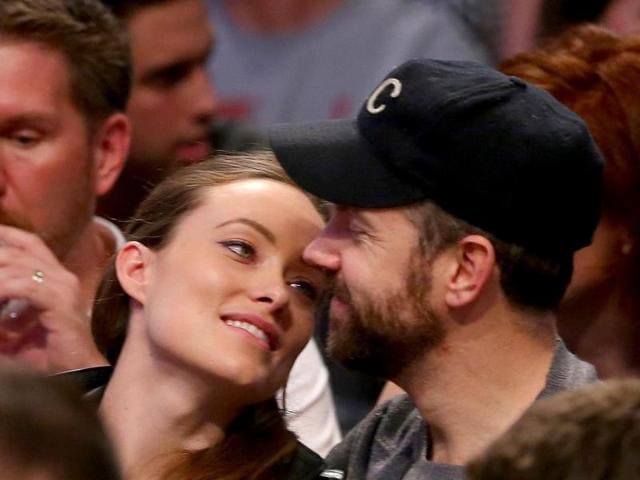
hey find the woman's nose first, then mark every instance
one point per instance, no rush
(272, 291)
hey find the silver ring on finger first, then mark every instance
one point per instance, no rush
(38, 276)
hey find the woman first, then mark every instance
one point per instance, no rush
(596, 73)
(202, 314)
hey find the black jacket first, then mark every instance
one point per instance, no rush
(305, 465)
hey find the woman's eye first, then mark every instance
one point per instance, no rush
(242, 249)
(306, 288)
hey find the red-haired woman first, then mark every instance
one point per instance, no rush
(596, 73)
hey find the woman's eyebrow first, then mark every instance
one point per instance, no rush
(253, 224)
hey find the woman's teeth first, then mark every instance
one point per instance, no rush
(248, 327)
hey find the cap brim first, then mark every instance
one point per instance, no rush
(332, 161)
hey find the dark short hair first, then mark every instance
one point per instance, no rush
(45, 426)
(125, 9)
(528, 280)
(588, 434)
(90, 38)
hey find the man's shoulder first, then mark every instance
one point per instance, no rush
(111, 233)
(86, 379)
(90, 382)
(391, 442)
(390, 419)
(567, 371)
(305, 464)
(387, 430)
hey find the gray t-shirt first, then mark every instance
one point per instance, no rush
(327, 70)
(392, 441)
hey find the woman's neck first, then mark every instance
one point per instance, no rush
(279, 16)
(603, 327)
(152, 411)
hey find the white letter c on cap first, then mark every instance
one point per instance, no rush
(397, 88)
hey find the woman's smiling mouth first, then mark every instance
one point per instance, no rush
(257, 327)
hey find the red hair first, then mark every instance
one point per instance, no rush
(596, 73)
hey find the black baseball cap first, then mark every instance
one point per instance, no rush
(488, 148)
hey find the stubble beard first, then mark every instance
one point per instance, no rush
(77, 213)
(381, 336)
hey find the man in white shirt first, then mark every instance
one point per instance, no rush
(64, 84)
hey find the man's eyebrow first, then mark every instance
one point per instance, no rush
(357, 214)
(180, 66)
(39, 118)
(253, 224)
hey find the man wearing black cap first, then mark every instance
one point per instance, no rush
(461, 195)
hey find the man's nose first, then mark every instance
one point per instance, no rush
(322, 252)
(3, 179)
(203, 96)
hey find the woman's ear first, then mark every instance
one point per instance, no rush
(132, 268)
(628, 245)
(474, 261)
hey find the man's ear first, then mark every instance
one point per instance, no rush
(473, 263)
(133, 268)
(111, 148)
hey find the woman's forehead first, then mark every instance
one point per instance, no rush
(278, 206)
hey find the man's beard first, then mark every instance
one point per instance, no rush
(17, 221)
(61, 236)
(382, 336)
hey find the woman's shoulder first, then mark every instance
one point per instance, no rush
(306, 464)
(90, 382)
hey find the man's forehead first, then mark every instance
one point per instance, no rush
(36, 72)
(169, 43)
(180, 25)
(379, 218)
